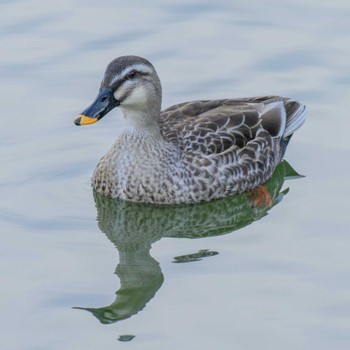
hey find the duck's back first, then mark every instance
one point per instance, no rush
(233, 145)
(213, 126)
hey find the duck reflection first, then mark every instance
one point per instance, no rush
(134, 227)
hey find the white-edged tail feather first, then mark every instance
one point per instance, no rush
(296, 115)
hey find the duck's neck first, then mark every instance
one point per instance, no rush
(144, 119)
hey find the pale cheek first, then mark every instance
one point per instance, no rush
(119, 94)
(138, 96)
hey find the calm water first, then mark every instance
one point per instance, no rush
(82, 272)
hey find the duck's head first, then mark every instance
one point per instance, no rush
(132, 83)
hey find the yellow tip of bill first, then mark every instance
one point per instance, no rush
(82, 119)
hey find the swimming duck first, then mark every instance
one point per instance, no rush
(190, 152)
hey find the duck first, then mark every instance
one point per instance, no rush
(191, 152)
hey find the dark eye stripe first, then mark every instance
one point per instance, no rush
(117, 84)
(131, 75)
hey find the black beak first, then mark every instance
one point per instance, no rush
(105, 101)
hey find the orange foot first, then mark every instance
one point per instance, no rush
(261, 197)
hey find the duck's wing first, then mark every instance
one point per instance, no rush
(212, 127)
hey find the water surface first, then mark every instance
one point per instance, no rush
(269, 279)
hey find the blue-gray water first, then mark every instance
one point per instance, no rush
(281, 282)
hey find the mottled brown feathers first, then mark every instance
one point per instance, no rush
(212, 126)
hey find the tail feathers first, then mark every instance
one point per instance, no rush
(296, 115)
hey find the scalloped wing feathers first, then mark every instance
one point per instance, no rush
(213, 127)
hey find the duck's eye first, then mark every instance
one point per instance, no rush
(131, 75)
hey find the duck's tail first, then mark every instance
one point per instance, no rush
(296, 115)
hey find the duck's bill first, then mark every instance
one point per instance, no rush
(105, 101)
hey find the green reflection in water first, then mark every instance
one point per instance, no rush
(203, 253)
(134, 227)
(126, 337)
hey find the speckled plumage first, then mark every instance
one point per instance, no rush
(194, 151)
